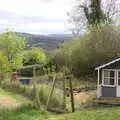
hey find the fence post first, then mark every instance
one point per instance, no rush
(64, 94)
(71, 92)
(51, 92)
(36, 92)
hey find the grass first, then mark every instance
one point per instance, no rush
(28, 92)
(23, 112)
(17, 97)
(27, 112)
(102, 113)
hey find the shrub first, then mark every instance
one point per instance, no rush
(32, 57)
(98, 46)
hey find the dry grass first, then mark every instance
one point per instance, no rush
(8, 102)
(84, 96)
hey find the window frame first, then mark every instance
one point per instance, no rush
(103, 77)
(118, 77)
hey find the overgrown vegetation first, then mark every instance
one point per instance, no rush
(28, 91)
(99, 45)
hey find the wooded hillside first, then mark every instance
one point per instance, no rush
(47, 42)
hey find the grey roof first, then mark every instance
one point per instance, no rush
(107, 64)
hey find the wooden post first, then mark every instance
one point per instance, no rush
(64, 93)
(72, 98)
(51, 92)
(34, 77)
(98, 85)
(36, 100)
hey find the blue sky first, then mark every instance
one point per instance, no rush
(35, 16)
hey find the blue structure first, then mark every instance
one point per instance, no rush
(25, 80)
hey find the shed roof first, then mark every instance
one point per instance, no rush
(107, 64)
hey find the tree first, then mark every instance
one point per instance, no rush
(34, 56)
(92, 12)
(11, 46)
(99, 46)
(4, 65)
(59, 59)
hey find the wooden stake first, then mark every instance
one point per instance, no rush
(36, 100)
(64, 93)
(51, 92)
(72, 98)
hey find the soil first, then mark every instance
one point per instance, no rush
(8, 102)
(83, 96)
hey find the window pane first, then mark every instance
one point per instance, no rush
(106, 81)
(112, 73)
(112, 81)
(119, 74)
(109, 77)
(118, 81)
(106, 73)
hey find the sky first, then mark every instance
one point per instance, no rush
(35, 16)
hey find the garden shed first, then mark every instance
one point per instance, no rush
(109, 79)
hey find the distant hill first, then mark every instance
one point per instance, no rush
(47, 42)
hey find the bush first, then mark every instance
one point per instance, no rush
(100, 45)
(32, 57)
(96, 47)
(44, 93)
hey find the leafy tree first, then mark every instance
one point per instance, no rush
(100, 45)
(4, 65)
(93, 12)
(96, 47)
(60, 59)
(34, 56)
(11, 46)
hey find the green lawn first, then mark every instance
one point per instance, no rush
(24, 110)
(18, 98)
(106, 113)
(23, 113)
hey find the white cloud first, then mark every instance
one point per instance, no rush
(41, 26)
(33, 11)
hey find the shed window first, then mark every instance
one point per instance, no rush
(118, 77)
(109, 77)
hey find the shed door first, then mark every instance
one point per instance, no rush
(118, 83)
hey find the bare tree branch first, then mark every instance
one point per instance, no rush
(87, 12)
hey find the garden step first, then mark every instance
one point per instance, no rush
(108, 101)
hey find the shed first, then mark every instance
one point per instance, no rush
(108, 84)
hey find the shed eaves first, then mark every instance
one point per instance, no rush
(107, 64)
